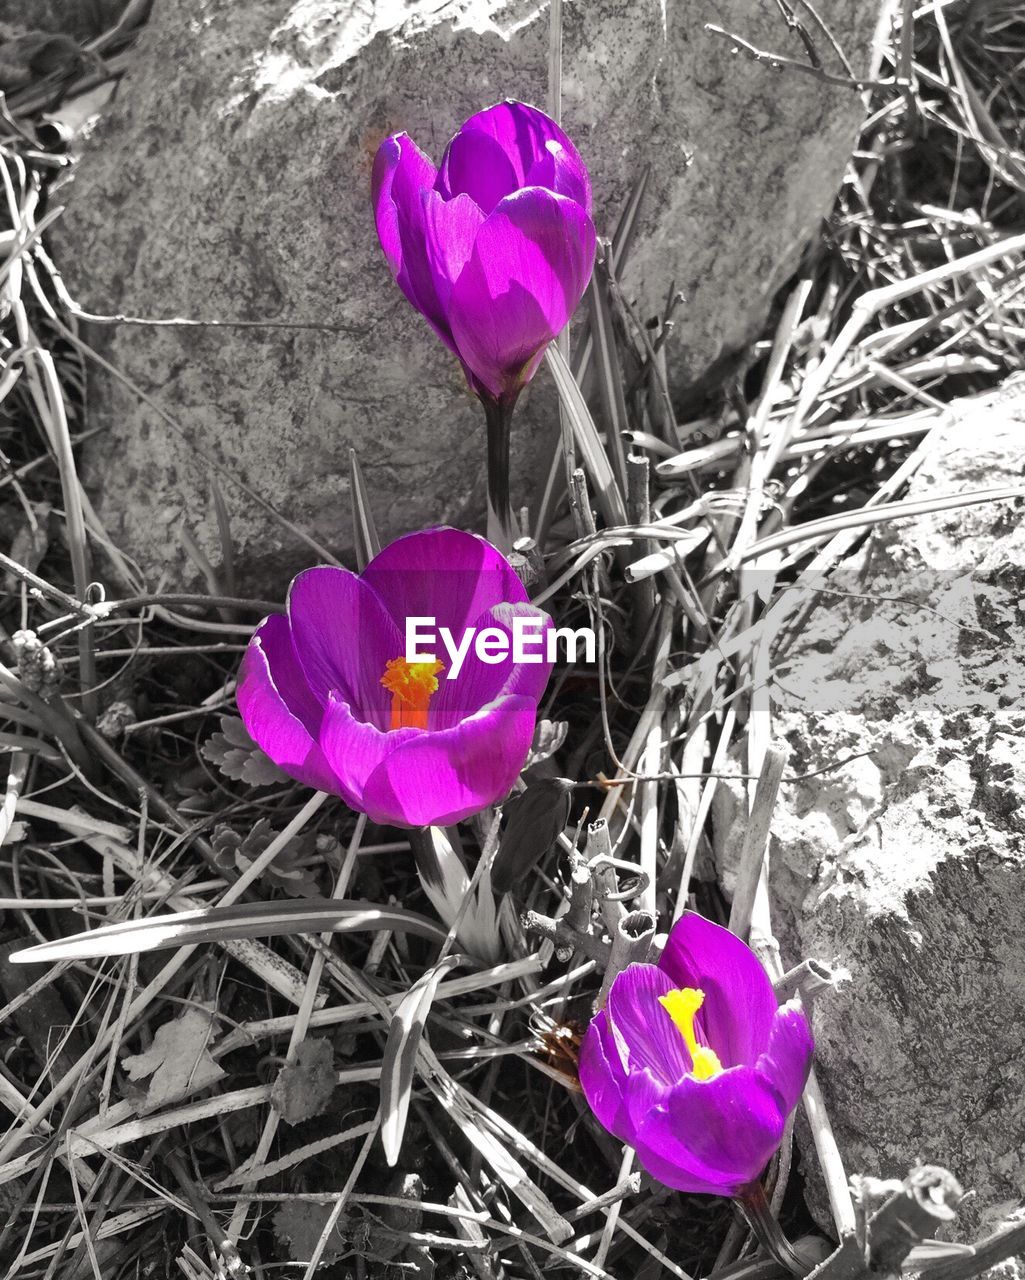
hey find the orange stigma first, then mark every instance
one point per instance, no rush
(410, 685)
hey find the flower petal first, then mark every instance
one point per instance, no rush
(278, 709)
(451, 228)
(343, 636)
(479, 683)
(401, 174)
(730, 1125)
(444, 574)
(354, 749)
(658, 1148)
(522, 134)
(633, 1109)
(787, 1060)
(528, 270)
(665, 1147)
(438, 778)
(560, 169)
(603, 1077)
(740, 1005)
(644, 1033)
(475, 165)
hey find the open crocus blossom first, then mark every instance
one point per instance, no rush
(327, 692)
(695, 1064)
(494, 248)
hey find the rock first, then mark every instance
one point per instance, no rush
(905, 862)
(229, 180)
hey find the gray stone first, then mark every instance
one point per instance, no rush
(905, 861)
(229, 180)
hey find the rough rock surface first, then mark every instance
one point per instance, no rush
(907, 864)
(229, 180)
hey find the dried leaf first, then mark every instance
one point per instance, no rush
(304, 1087)
(548, 738)
(238, 757)
(392, 1225)
(31, 542)
(178, 1061)
(533, 821)
(73, 113)
(299, 1227)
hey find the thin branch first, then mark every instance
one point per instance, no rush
(780, 62)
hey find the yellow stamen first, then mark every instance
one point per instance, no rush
(681, 1006)
(410, 685)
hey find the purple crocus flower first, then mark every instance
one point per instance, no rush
(496, 246)
(495, 249)
(326, 690)
(695, 1064)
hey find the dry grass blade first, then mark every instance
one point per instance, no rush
(869, 305)
(364, 531)
(627, 227)
(588, 441)
(824, 528)
(400, 1054)
(466, 1113)
(610, 377)
(752, 857)
(555, 60)
(217, 924)
(563, 458)
(623, 237)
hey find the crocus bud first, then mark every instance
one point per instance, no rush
(495, 247)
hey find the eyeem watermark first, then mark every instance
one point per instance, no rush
(528, 642)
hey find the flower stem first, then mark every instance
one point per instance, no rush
(498, 415)
(755, 1208)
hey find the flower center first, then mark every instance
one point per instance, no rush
(410, 685)
(681, 1006)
